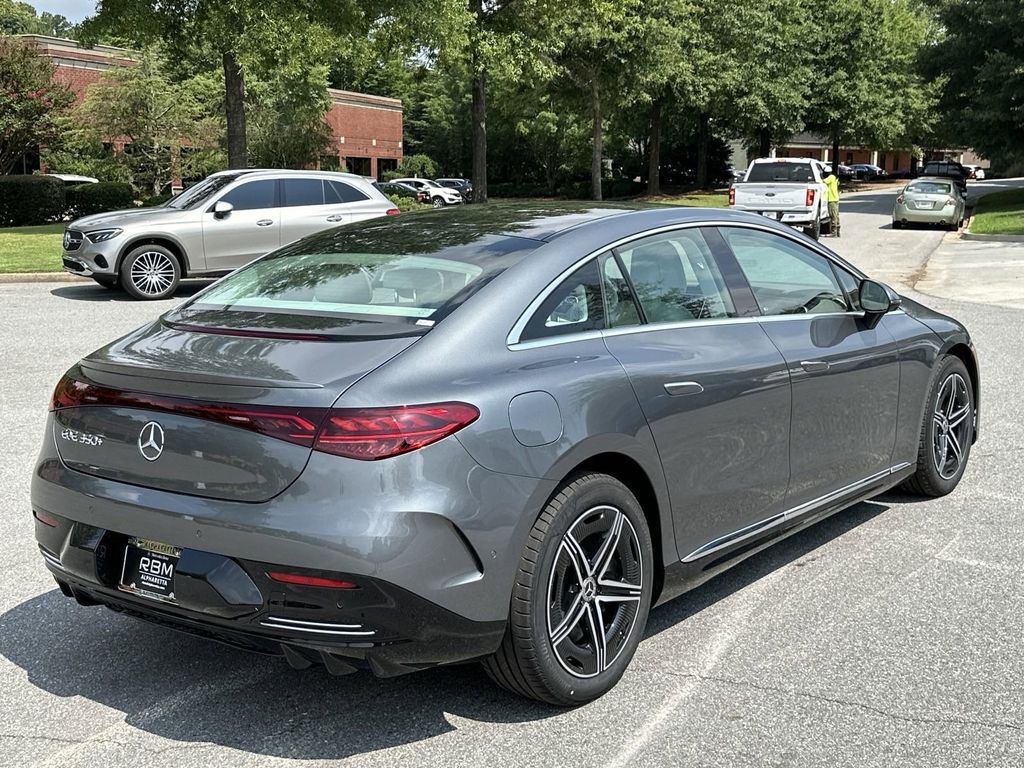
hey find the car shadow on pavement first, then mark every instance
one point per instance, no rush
(190, 690)
(92, 292)
(786, 552)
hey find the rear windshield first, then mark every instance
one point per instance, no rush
(379, 278)
(798, 172)
(930, 187)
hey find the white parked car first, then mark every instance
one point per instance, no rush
(786, 189)
(439, 196)
(214, 227)
(975, 172)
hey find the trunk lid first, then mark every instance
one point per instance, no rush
(772, 197)
(166, 408)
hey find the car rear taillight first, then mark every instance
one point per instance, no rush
(306, 580)
(367, 434)
(393, 211)
(809, 200)
(950, 201)
(732, 196)
(899, 199)
(45, 518)
(370, 434)
(293, 424)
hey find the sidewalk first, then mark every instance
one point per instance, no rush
(971, 270)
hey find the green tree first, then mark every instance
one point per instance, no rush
(977, 63)
(30, 102)
(239, 33)
(17, 18)
(869, 89)
(167, 128)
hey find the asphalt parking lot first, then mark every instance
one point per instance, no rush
(889, 635)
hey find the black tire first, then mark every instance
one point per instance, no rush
(106, 282)
(814, 231)
(528, 662)
(930, 479)
(897, 224)
(826, 226)
(150, 273)
(438, 202)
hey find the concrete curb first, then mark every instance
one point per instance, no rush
(966, 235)
(41, 277)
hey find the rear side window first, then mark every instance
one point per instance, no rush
(303, 192)
(676, 278)
(340, 192)
(253, 195)
(575, 306)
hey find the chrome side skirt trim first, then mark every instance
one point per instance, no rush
(791, 514)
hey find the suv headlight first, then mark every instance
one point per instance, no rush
(102, 235)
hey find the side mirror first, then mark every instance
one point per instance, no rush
(878, 298)
(222, 209)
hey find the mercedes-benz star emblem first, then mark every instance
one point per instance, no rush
(151, 441)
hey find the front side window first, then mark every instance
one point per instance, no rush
(785, 277)
(253, 195)
(299, 192)
(676, 278)
(851, 285)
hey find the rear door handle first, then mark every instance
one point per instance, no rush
(336, 217)
(814, 366)
(676, 388)
(264, 222)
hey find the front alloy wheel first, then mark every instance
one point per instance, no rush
(581, 596)
(438, 202)
(947, 432)
(150, 272)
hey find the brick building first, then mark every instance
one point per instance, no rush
(366, 131)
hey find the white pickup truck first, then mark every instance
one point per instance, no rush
(787, 189)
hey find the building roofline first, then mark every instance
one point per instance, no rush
(355, 99)
(107, 51)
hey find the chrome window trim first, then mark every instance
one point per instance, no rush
(627, 330)
(513, 342)
(729, 539)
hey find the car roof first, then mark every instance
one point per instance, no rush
(289, 172)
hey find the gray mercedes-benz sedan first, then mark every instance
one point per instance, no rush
(499, 434)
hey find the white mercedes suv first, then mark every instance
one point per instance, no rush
(214, 227)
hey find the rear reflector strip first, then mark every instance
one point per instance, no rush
(316, 627)
(45, 518)
(310, 581)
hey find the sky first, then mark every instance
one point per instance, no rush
(73, 10)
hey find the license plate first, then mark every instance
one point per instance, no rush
(772, 215)
(926, 204)
(149, 569)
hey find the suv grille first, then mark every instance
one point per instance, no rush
(72, 240)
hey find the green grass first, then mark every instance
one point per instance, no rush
(31, 249)
(694, 199)
(1000, 213)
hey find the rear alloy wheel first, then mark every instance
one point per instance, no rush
(150, 272)
(581, 597)
(438, 202)
(947, 432)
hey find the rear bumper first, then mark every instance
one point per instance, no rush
(429, 534)
(793, 218)
(947, 215)
(377, 625)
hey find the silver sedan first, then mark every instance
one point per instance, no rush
(929, 201)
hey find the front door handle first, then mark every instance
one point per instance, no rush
(336, 217)
(676, 388)
(814, 366)
(264, 222)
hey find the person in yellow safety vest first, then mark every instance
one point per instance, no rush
(832, 195)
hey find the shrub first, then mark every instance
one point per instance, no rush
(26, 200)
(89, 199)
(622, 188)
(406, 203)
